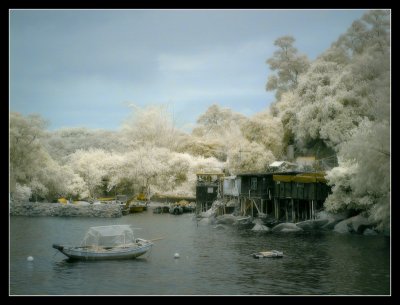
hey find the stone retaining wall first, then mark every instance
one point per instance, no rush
(57, 209)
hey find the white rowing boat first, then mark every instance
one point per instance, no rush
(107, 242)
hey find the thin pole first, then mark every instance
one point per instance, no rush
(287, 219)
(293, 216)
(312, 208)
(278, 205)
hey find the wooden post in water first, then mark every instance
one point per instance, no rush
(293, 213)
(252, 208)
(286, 204)
(278, 205)
(312, 209)
(298, 213)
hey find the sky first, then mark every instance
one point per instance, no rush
(84, 68)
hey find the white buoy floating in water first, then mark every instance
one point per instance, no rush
(29, 258)
(176, 255)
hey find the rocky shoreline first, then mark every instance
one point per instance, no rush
(66, 210)
(324, 221)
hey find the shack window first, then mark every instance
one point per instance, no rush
(253, 184)
(210, 190)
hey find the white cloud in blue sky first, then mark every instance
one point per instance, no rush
(83, 67)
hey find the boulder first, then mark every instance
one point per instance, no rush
(208, 213)
(220, 227)
(333, 219)
(312, 224)
(355, 224)
(243, 221)
(257, 220)
(286, 225)
(204, 221)
(260, 227)
(343, 227)
(370, 232)
(287, 230)
(226, 219)
(360, 223)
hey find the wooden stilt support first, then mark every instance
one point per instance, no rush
(286, 213)
(312, 209)
(278, 205)
(256, 206)
(293, 212)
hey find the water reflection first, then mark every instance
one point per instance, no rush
(212, 261)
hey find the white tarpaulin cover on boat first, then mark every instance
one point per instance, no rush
(108, 236)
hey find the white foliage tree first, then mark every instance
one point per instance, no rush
(74, 185)
(63, 142)
(27, 155)
(30, 164)
(90, 165)
(152, 125)
(251, 157)
(339, 89)
(287, 64)
(203, 146)
(216, 122)
(197, 164)
(362, 180)
(343, 103)
(371, 31)
(265, 129)
(22, 193)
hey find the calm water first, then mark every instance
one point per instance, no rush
(212, 261)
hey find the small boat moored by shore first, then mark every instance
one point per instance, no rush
(161, 209)
(107, 242)
(176, 210)
(136, 208)
(268, 254)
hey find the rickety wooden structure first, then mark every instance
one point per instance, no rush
(208, 188)
(290, 196)
(299, 196)
(256, 193)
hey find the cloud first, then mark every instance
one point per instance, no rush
(67, 62)
(173, 63)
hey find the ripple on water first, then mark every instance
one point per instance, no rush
(212, 262)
